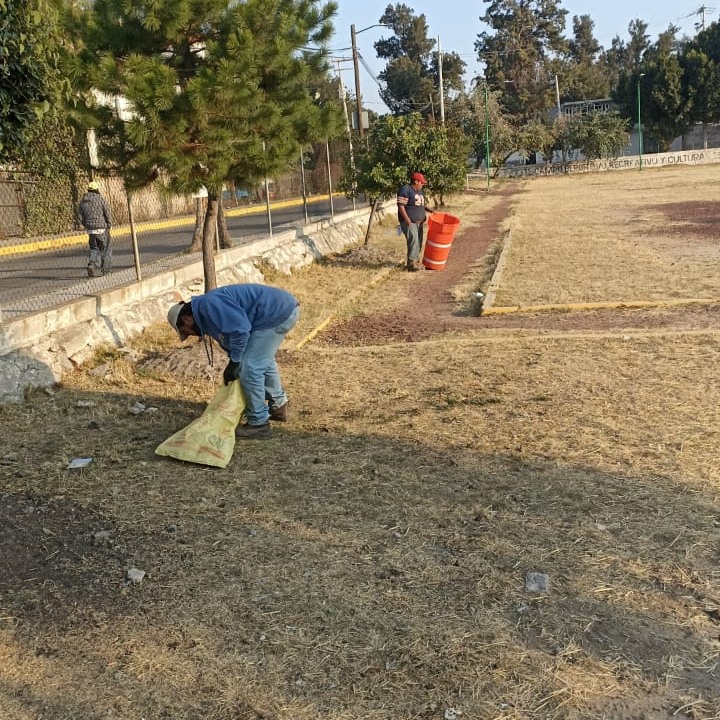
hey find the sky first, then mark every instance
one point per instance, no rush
(457, 24)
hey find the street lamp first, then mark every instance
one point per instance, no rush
(640, 137)
(557, 96)
(358, 99)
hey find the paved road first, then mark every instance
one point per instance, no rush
(35, 281)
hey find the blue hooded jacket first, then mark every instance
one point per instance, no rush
(229, 314)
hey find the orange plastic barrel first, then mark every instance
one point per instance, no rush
(441, 231)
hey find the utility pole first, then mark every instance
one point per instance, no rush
(355, 57)
(487, 136)
(358, 99)
(440, 76)
(343, 98)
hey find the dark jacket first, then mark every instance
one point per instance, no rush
(94, 211)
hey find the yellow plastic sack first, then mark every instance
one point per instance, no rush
(209, 440)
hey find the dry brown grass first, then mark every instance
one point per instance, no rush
(582, 238)
(368, 563)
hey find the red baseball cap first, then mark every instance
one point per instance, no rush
(419, 177)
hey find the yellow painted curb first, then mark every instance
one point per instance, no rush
(632, 304)
(315, 331)
(318, 328)
(151, 225)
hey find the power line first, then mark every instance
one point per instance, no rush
(369, 71)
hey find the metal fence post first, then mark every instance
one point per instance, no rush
(304, 189)
(327, 153)
(133, 235)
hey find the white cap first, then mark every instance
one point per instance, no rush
(172, 318)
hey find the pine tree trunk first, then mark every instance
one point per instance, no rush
(208, 243)
(225, 240)
(196, 244)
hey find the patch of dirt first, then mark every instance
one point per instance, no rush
(430, 308)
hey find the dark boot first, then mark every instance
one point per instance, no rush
(279, 412)
(253, 432)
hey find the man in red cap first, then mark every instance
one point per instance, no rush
(412, 214)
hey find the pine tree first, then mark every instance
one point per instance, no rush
(217, 90)
(412, 73)
(583, 76)
(700, 60)
(524, 36)
(658, 79)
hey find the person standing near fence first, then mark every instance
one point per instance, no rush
(95, 216)
(412, 214)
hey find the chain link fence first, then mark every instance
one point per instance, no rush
(44, 249)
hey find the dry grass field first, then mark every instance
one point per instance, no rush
(644, 237)
(371, 561)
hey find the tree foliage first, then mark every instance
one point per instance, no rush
(596, 135)
(521, 40)
(412, 73)
(584, 72)
(400, 145)
(29, 79)
(485, 118)
(656, 84)
(700, 61)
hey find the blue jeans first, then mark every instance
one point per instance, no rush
(414, 237)
(259, 374)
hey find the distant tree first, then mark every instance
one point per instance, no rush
(467, 113)
(443, 159)
(535, 137)
(701, 88)
(700, 61)
(411, 76)
(596, 135)
(659, 80)
(638, 44)
(613, 60)
(707, 41)
(461, 113)
(517, 49)
(584, 77)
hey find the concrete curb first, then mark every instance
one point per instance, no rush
(494, 284)
(617, 305)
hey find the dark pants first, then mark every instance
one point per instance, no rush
(414, 239)
(100, 254)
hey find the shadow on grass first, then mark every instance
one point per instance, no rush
(323, 575)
